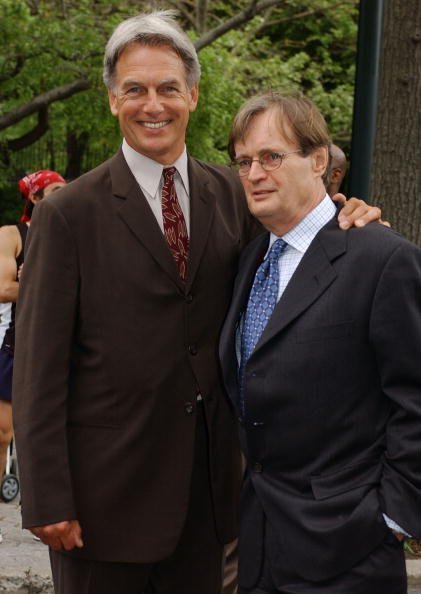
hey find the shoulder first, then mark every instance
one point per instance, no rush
(10, 242)
(374, 247)
(215, 173)
(373, 238)
(380, 239)
(84, 196)
(95, 180)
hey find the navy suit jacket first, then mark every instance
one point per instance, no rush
(332, 427)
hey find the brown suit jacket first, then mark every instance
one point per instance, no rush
(111, 351)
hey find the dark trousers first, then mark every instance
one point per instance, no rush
(195, 567)
(381, 572)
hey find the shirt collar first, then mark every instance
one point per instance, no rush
(300, 236)
(148, 173)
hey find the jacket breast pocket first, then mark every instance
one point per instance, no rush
(353, 476)
(339, 330)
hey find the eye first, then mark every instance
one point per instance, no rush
(243, 163)
(274, 157)
(133, 92)
(169, 90)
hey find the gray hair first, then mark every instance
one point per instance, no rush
(155, 29)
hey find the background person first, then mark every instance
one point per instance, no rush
(336, 169)
(320, 354)
(33, 188)
(127, 444)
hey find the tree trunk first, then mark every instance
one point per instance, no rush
(76, 146)
(396, 173)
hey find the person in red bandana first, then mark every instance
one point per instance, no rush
(33, 188)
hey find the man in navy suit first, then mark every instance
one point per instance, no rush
(321, 352)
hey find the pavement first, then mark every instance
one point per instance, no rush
(25, 568)
(24, 561)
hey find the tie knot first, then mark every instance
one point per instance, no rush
(275, 251)
(168, 173)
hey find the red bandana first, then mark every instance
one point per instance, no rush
(34, 182)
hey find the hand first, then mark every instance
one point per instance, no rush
(63, 535)
(356, 212)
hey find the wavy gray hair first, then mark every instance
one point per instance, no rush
(158, 28)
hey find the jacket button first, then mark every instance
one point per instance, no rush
(189, 297)
(192, 349)
(257, 467)
(189, 407)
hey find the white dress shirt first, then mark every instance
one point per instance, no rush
(148, 174)
(299, 238)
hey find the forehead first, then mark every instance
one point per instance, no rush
(52, 187)
(146, 62)
(268, 129)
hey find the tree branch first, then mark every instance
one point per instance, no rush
(301, 15)
(242, 17)
(15, 68)
(43, 100)
(35, 134)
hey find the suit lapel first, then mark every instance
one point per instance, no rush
(133, 208)
(242, 286)
(202, 212)
(313, 276)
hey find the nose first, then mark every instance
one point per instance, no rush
(256, 171)
(152, 102)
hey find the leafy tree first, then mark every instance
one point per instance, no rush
(52, 98)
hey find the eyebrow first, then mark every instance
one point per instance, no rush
(262, 152)
(138, 83)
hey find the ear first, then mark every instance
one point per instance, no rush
(194, 97)
(320, 160)
(335, 174)
(33, 198)
(112, 99)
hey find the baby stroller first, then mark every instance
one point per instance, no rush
(10, 482)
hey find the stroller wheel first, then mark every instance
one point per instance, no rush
(9, 487)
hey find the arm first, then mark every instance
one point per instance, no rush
(395, 332)
(9, 249)
(44, 331)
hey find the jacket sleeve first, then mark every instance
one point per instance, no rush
(46, 316)
(395, 331)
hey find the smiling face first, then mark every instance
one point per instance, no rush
(152, 101)
(281, 198)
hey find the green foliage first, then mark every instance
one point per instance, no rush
(45, 44)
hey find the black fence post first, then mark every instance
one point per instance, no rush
(365, 96)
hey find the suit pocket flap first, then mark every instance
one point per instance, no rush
(365, 472)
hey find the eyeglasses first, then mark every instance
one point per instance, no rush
(268, 162)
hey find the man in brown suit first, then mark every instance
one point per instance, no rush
(129, 462)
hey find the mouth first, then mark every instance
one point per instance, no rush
(260, 193)
(155, 125)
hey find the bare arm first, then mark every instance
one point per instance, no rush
(10, 246)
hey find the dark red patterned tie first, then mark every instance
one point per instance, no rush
(175, 229)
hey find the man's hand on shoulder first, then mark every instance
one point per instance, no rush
(356, 212)
(63, 535)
